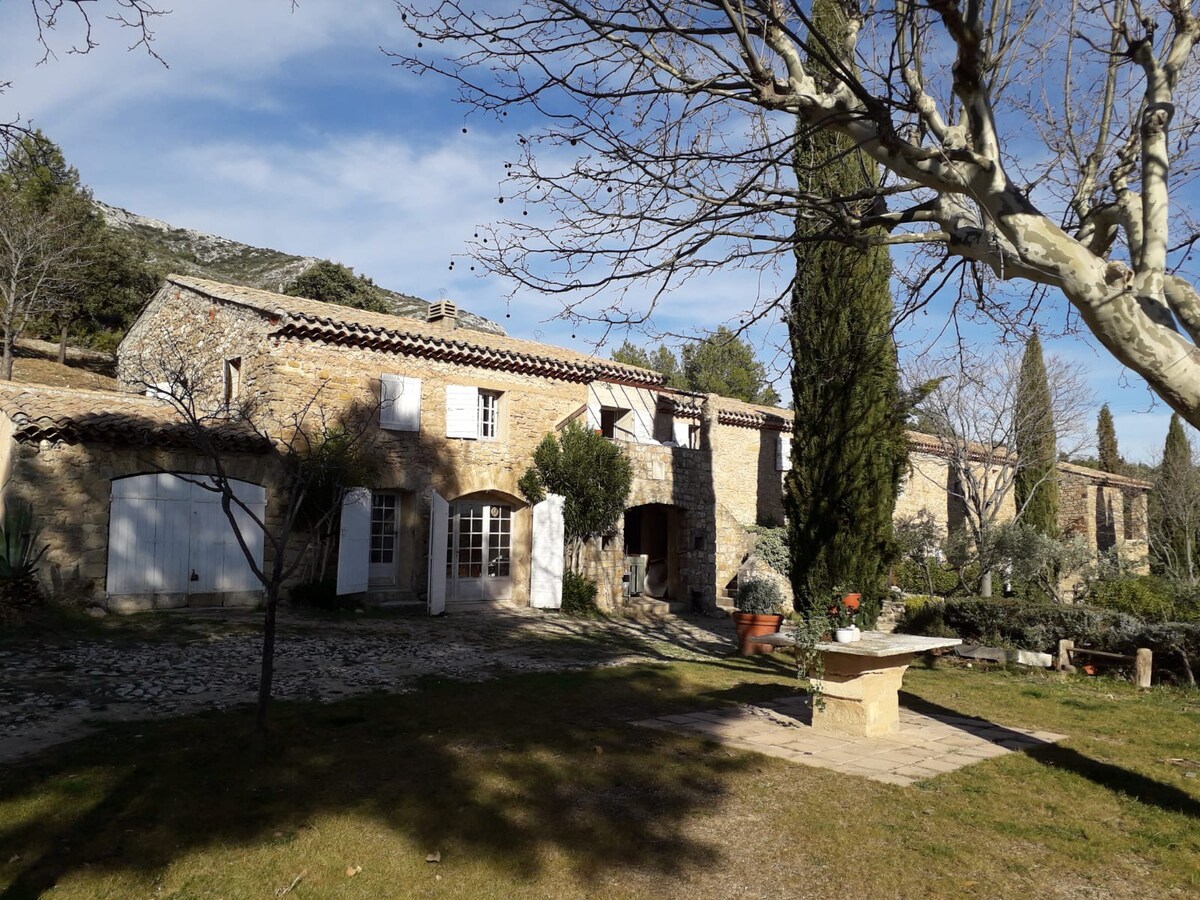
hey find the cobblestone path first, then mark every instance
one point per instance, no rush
(54, 691)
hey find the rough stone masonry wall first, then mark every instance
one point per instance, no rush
(670, 476)
(413, 463)
(180, 326)
(1098, 512)
(69, 487)
(746, 478)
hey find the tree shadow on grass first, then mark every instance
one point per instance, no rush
(1114, 778)
(506, 770)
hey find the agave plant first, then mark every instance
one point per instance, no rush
(18, 538)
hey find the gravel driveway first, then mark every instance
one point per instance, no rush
(55, 691)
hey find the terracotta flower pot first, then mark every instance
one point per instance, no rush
(852, 601)
(750, 625)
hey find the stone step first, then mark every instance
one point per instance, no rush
(649, 608)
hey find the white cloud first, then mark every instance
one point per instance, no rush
(214, 49)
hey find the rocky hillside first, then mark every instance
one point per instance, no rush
(191, 252)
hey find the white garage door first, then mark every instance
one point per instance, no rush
(169, 536)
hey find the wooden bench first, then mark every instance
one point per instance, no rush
(1143, 660)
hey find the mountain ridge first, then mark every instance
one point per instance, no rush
(189, 252)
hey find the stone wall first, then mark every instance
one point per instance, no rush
(184, 333)
(745, 475)
(924, 489)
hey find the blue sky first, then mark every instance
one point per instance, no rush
(292, 130)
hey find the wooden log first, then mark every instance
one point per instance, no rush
(1087, 651)
(1143, 667)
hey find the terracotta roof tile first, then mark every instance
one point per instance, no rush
(74, 415)
(335, 324)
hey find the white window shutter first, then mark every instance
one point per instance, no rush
(643, 426)
(354, 548)
(681, 431)
(462, 411)
(783, 458)
(399, 403)
(593, 417)
(439, 519)
(546, 572)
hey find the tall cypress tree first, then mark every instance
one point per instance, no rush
(1174, 516)
(1036, 481)
(849, 449)
(1106, 442)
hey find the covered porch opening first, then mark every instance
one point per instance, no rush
(654, 532)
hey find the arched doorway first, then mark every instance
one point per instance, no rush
(479, 547)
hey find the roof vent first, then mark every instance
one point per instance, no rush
(443, 313)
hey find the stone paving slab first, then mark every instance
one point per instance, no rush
(926, 746)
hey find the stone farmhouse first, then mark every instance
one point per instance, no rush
(455, 415)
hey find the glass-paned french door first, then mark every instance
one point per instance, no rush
(479, 551)
(385, 518)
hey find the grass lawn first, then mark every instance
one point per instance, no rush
(536, 786)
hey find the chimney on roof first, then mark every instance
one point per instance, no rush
(444, 315)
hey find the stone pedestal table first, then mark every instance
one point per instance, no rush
(861, 682)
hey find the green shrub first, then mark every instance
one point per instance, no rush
(759, 597)
(579, 595)
(910, 578)
(19, 553)
(924, 615)
(1040, 626)
(771, 544)
(322, 595)
(1145, 596)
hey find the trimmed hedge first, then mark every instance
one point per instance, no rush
(1040, 626)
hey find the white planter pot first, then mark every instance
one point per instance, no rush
(844, 635)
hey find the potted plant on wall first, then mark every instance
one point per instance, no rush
(759, 611)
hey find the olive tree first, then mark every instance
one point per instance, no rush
(593, 476)
(975, 413)
(1048, 143)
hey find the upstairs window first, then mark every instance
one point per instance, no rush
(616, 424)
(472, 413)
(489, 413)
(233, 380)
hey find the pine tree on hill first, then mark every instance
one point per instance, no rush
(1035, 484)
(849, 449)
(331, 282)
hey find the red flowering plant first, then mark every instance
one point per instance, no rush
(844, 610)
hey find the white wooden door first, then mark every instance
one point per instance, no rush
(163, 529)
(217, 563)
(355, 544)
(439, 516)
(546, 571)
